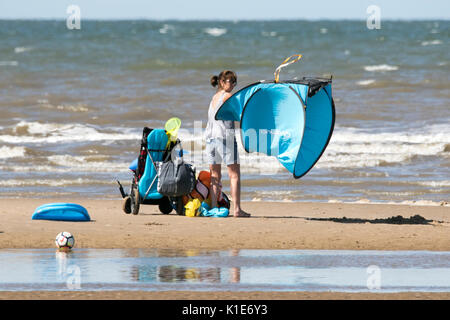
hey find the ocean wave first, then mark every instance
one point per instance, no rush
(215, 32)
(431, 134)
(64, 164)
(367, 82)
(386, 148)
(348, 148)
(405, 202)
(338, 161)
(381, 67)
(355, 148)
(11, 152)
(166, 28)
(22, 49)
(80, 107)
(51, 182)
(434, 184)
(84, 163)
(9, 63)
(269, 34)
(431, 43)
(36, 132)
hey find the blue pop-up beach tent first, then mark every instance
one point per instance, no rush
(291, 120)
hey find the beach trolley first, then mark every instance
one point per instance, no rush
(156, 148)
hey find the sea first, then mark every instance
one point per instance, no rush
(74, 102)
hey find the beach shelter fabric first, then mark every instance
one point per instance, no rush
(291, 120)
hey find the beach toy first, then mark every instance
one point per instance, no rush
(205, 206)
(61, 212)
(216, 213)
(172, 126)
(192, 208)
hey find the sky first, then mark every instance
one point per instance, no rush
(226, 9)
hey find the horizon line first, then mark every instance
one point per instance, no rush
(222, 19)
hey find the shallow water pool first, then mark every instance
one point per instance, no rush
(230, 270)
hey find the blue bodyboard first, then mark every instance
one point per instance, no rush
(61, 212)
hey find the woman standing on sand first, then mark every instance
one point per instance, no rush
(221, 143)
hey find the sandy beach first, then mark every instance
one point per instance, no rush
(273, 225)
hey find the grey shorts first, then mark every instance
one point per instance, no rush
(218, 149)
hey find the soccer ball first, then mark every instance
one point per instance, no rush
(65, 240)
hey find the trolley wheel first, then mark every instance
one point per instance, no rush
(165, 206)
(126, 205)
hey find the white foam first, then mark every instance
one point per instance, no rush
(215, 32)
(11, 152)
(85, 164)
(431, 43)
(367, 82)
(63, 168)
(22, 49)
(375, 148)
(64, 107)
(348, 148)
(434, 184)
(381, 67)
(406, 202)
(166, 28)
(357, 148)
(422, 203)
(269, 34)
(9, 63)
(56, 133)
(357, 161)
(51, 182)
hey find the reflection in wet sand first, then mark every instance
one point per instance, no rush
(233, 270)
(174, 273)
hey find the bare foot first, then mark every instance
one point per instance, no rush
(242, 214)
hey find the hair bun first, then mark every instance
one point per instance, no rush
(214, 81)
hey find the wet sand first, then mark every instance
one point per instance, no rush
(273, 225)
(219, 295)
